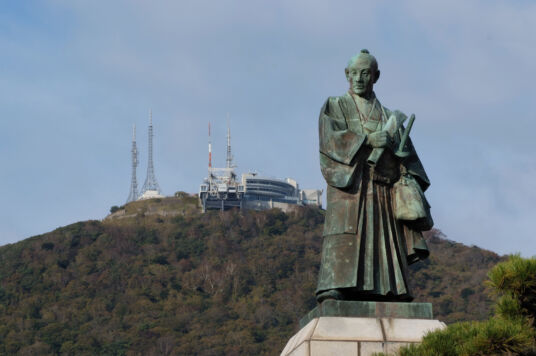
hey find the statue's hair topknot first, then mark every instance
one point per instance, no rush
(364, 53)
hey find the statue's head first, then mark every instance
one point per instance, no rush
(362, 72)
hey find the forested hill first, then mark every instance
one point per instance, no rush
(160, 278)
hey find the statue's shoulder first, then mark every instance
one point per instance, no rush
(335, 109)
(397, 113)
(333, 100)
(341, 101)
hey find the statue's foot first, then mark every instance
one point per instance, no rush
(329, 294)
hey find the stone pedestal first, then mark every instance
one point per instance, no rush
(360, 328)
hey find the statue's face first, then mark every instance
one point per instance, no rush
(361, 76)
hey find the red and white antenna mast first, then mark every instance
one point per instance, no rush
(229, 159)
(209, 148)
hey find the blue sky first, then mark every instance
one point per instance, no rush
(75, 76)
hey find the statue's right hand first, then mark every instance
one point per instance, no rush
(378, 139)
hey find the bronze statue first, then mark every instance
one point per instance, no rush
(376, 209)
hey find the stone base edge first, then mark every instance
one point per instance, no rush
(347, 336)
(366, 309)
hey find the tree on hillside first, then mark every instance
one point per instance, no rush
(509, 332)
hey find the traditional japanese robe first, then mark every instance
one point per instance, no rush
(366, 250)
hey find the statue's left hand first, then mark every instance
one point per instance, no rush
(379, 139)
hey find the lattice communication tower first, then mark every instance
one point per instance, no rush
(150, 181)
(133, 195)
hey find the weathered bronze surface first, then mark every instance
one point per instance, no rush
(366, 249)
(360, 309)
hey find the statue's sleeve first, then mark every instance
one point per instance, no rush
(412, 162)
(415, 168)
(338, 145)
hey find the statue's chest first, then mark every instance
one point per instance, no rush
(367, 123)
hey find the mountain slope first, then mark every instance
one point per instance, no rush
(160, 278)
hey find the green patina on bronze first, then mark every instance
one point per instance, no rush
(366, 249)
(369, 310)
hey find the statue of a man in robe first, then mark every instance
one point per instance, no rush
(366, 249)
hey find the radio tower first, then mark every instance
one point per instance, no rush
(150, 182)
(209, 149)
(229, 159)
(133, 195)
